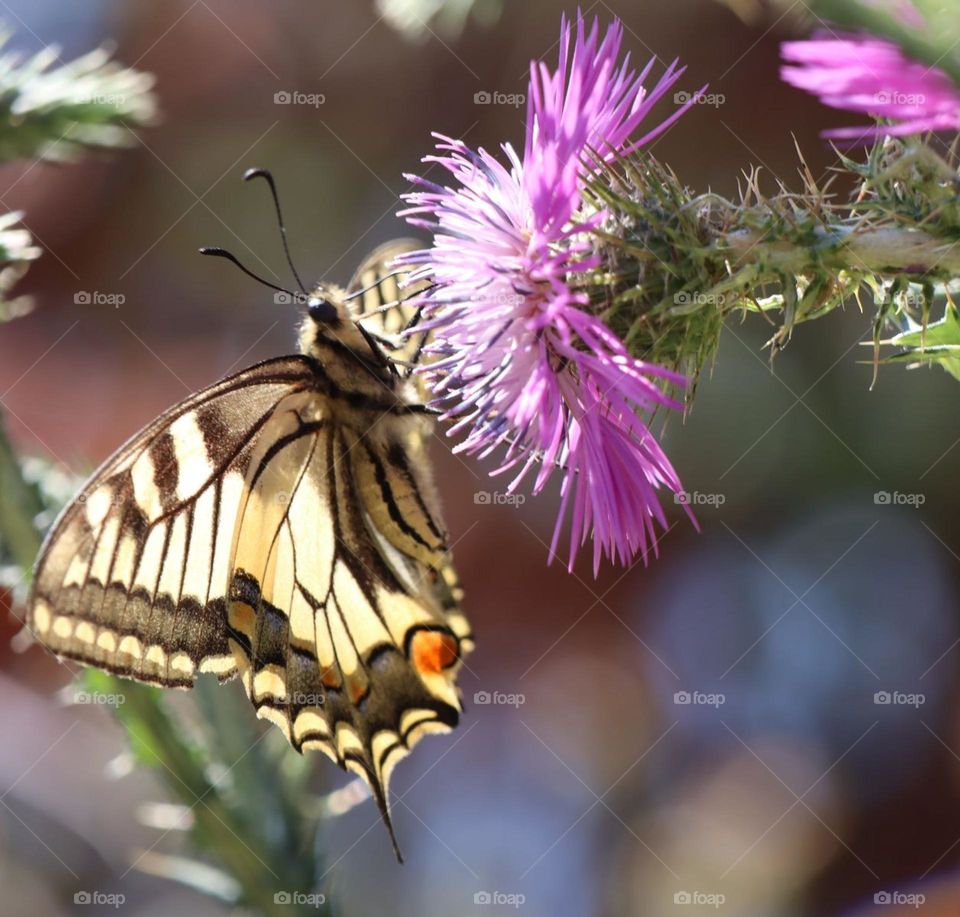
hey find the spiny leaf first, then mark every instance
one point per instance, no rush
(52, 110)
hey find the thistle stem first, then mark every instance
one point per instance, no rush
(882, 250)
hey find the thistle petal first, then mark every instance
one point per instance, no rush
(520, 365)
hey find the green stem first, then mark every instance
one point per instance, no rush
(259, 869)
(20, 503)
(883, 250)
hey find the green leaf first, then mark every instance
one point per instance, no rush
(53, 110)
(16, 251)
(937, 343)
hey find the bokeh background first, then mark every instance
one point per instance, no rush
(786, 787)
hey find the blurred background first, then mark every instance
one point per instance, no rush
(763, 721)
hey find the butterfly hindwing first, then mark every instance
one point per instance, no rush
(385, 297)
(334, 616)
(381, 291)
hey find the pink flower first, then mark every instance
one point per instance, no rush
(871, 75)
(520, 364)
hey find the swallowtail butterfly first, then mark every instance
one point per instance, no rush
(281, 525)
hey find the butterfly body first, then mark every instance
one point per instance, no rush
(281, 526)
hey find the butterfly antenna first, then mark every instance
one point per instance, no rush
(216, 252)
(268, 177)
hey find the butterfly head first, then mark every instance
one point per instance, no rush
(323, 309)
(331, 329)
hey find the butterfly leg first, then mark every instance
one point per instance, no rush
(377, 350)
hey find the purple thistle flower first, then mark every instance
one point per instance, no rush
(871, 75)
(518, 361)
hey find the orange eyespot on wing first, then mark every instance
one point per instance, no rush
(433, 651)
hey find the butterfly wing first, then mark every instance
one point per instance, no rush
(380, 291)
(381, 294)
(133, 575)
(344, 639)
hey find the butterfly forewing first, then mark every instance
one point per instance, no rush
(133, 576)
